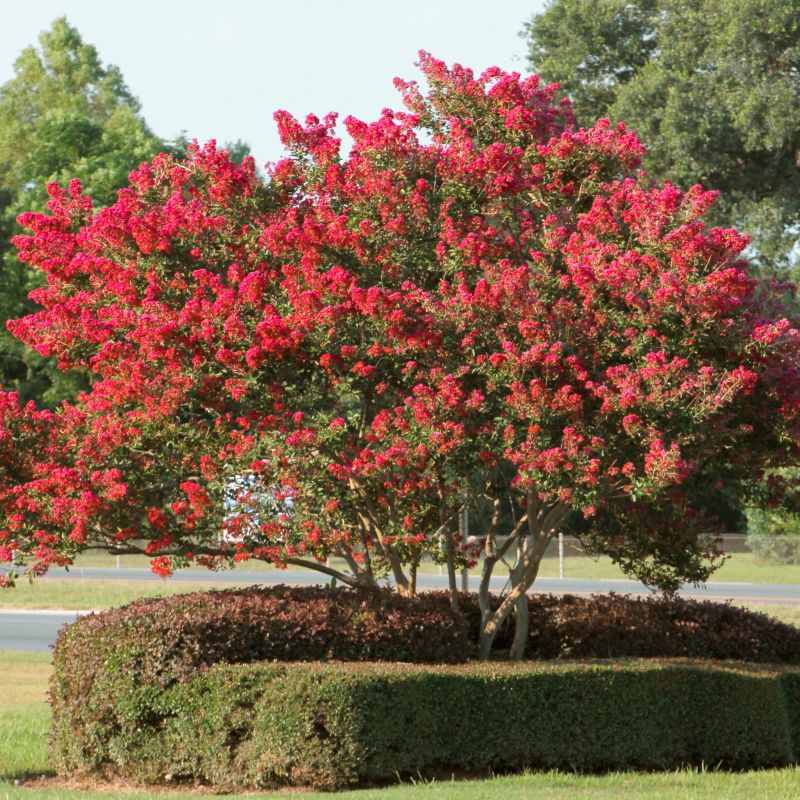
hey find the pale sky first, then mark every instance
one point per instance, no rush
(219, 69)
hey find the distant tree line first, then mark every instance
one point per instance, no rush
(711, 86)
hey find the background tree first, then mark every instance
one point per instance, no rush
(710, 85)
(478, 305)
(63, 115)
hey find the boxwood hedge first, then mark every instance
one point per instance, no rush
(330, 725)
(188, 688)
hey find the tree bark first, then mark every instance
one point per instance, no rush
(452, 582)
(484, 601)
(542, 523)
(521, 626)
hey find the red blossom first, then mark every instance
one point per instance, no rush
(479, 300)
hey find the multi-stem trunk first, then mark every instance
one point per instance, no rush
(530, 538)
(452, 582)
(450, 555)
(372, 525)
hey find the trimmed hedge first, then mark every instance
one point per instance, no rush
(163, 689)
(168, 639)
(152, 644)
(163, 640)
(616, 626)
(333, 725)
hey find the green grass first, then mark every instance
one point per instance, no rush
(24, 713)
(23, 755)
(88, 594)
(95, 595)
(688, 785)
(739, 568)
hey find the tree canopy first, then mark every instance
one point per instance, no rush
(479, 305)
(63, 115)
(711, 86)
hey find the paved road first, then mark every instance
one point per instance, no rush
(785, 594)
(36, 630)
(31, 630)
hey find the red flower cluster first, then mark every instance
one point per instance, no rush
(333, 361)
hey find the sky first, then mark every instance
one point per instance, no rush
(218, 70)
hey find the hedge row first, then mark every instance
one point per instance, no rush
(164, 640)
(239, 727)
(616, 626)
(168, 639)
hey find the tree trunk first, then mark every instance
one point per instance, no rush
(405, 589)
(542, 523)
(452, 582)
(484, 602)
(491, 626)
(521, 626)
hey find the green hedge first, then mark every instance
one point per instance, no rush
(790, 682)
(621, 626)
(168, 687)
(333, 725)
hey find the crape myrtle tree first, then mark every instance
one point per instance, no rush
(479, 305)
(62, 115)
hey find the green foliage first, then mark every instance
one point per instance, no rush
(197, 688)
(112, 669)
(331, 725)
(710, 85)
(775, 522)
(790, 682)
(63, 115)
(775, 531)
(239, 150)
(776, 548)
(618, 626)
(591, 50)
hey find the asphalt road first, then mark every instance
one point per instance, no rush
(31, 630)
(785, 594)
(36, 630)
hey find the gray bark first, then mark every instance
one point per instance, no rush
(542, 522)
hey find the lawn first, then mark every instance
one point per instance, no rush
(78, 594)
(23, 756)
(90, 594)
(739, 568)
(684, 785)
